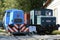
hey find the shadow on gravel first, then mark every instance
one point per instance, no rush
(19, 34)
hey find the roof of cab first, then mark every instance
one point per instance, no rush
(10, 10)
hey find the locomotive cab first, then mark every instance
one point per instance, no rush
(14, 21)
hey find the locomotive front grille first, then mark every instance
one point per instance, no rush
(17, 20)
(14, 28)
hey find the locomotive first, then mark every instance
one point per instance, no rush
(36, 21)
(15, 22)
(44, 21)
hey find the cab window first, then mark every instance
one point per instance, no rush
(8, 14)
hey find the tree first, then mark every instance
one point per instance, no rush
(24, 5)
(37, 4)
(28, 5)
(7, 4)
(10, 4)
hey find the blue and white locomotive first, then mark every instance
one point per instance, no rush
(14, 22)
(13, 19)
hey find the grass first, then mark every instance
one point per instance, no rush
(2, 30)
(55, 32)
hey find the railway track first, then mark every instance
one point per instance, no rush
(33, 37)
(6, 36)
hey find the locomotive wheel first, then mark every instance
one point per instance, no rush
(40, 30)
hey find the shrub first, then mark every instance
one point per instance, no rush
(55, 32)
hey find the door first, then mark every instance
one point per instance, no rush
(7, 17)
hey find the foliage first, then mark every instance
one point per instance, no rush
(6, 4)
(9, 4)
(37, 4)
(28, 5)
(56, 32)
(25, 5)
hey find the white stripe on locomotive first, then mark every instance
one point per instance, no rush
(10, 29)
(15, 29)
(21, 25)
(15, 25)
(22, 29)
(26, 30)
(11, 17)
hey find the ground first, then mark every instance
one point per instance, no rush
(5, 36)
(33, 37)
